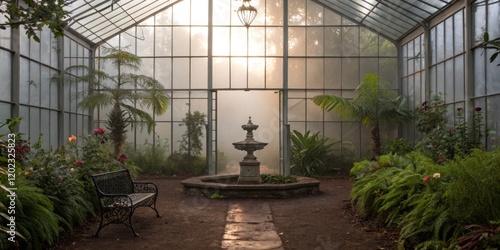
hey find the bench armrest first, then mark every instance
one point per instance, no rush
(145, 187)
(115, 200)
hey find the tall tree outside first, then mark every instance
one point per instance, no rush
(195, 124)
(375, 103)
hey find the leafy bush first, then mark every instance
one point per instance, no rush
(151, 159)
(431, 203)
(308, 152)
(277, 179)
(399, 146)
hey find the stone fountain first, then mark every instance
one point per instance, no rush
(249, 167)
(248, 183)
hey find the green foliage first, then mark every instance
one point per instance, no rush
(480, 236)
(113, 91)
(217, 196)
(491, 44)
(195, 124)
(431, 202)
(151, 159)
(308, 152)
(33, 15)
(399, 146)
(277, 179)
(184, 164)
(375, 103)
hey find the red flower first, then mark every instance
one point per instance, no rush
(99, 131)
(477, 109)
(59, 178)
(441, 159)
(424, 103)
(459, 109)
(122, 158)
(78, 163)
(427, 178)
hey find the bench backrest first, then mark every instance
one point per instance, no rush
(117, 182)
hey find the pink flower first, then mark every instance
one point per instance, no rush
(122, 158)
(427, 178)
(477, 109)
(99, 131)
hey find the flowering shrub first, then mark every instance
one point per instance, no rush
(441, 142)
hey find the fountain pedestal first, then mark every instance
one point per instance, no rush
(249, 167)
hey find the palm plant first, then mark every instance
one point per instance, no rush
(308, 152)
(375, 104)
(109, 91)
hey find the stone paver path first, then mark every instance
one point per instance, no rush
(249, 225)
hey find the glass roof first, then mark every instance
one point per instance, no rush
(391, 18)
(99, 20)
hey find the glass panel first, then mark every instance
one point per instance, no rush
(493, 19)
(350, 41)
(296, 41)
(492, 75)
(333, 73)
(314, 41)
(45, 87)
(256, 74)
(274, 12)
(221, 73)
(199, 12)
(274, 72)
(45, 46)
(34, 83)
(5, 75)
(145, 42)
(440, 42)
(449, 81)
(45, 127)
(222, 10)
(458, 30)
(163, 41)
(315, 73)
(239, 73)
(440, 79)
(199, 41)
(4, 34)
(34, 123)
(163, 71)
(332, 18)
(239, 41)
(333, 41)
(220, 41)
(314, 13)
(296, 73)
(181, 73)
(24, 126)
(181, 41)
(459, 78)
(181, 12)
(257, 45)
(479, 73)
(368, 65)
(314, 113)
(369, 43)
(274, 41)
(199, 73)
(5, 114)
(449, 34)
(296, 12)
(350, 73)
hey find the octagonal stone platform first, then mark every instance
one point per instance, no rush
(225, 185)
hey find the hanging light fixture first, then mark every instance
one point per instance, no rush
(247, 13)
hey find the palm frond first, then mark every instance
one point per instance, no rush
(139, 116)
(99, 99)
(344, 107)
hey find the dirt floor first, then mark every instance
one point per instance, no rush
(323, 221)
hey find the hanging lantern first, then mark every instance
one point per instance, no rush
(247, 13)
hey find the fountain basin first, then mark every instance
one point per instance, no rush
(225, 185)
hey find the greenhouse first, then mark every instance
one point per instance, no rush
(170, 83)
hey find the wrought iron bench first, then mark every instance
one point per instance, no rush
(119, 196)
